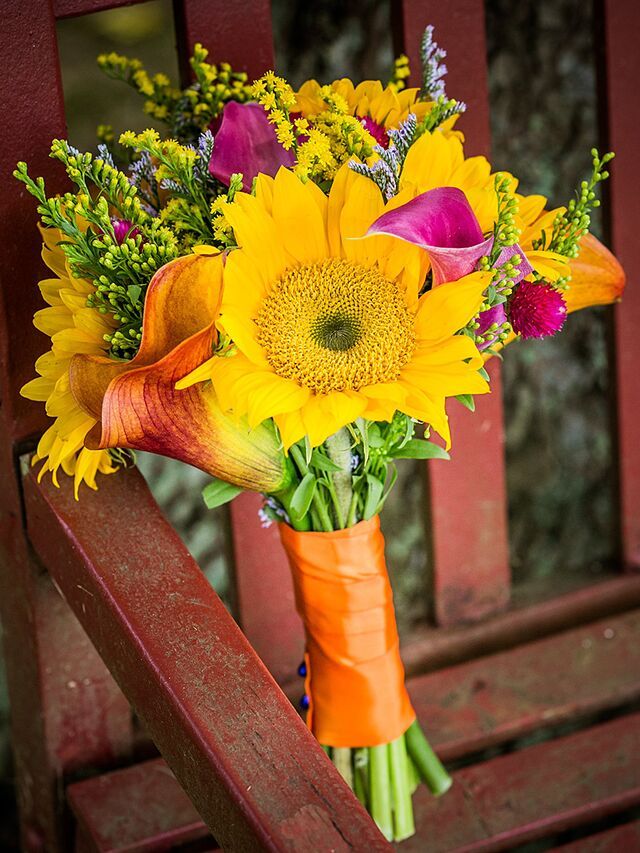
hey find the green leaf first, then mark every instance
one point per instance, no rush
(484, 373)
(133, 292)
(375, 436)
(363, 429)
(323, 463)
(303, 495)
(467, 401)
(219, 492)
(418, 448)
(374, 495)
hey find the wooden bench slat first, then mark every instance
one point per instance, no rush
(140, 808)
(501, 697)
(535, 792)
(468, 513)
(238, 748)
(622, 61)
(620, 839)
(464, 709)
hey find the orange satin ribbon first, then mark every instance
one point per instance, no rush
(355, 678)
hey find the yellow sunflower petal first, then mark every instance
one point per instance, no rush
(448, 308)
(298, 218)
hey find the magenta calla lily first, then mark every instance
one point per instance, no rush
(246, 142)
(442, 222)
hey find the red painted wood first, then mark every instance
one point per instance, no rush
(263, 581)
(464, 709)
(238, 748)
(141, 808)
(266, 603)
(238, 33)
(533, 793)
(620, 839)
(467, 494)
(622, 32)
(65, 709)
(498, 698)
(32, 114)
(433, 648)
(73, 8)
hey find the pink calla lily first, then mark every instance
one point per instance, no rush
(246, 142)
(442, 222)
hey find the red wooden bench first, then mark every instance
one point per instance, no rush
(97, 623)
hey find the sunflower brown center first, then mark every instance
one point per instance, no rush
(336, 326)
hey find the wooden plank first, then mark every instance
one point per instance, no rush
(66, 712)
(622, 58)
(463, 709)
(620, 839)
(468, 494)
(211, 707)
(140, 808)
(262, 576)
(73, 8)
(533, 793)
(499, 698)
(32, 114)
(430, 649)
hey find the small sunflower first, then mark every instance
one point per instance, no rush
(73, 328)
(379, 108)
(329, 328)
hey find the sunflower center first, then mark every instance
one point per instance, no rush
(338, 332)
(335, 326)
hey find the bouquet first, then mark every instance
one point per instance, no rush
(285, 290)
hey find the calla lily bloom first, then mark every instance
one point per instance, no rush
(246, 142)
(138, 406)
(597, 277)
(442, 222)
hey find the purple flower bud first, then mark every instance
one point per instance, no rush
(123, 228)
(537, 310)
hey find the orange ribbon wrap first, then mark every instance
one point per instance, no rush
(355, 678)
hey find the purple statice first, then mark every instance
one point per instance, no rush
(433, 68)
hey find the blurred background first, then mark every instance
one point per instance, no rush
(542, 76)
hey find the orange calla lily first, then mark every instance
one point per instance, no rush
(596, 276)
(138, 406)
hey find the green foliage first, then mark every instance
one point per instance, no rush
(182, 186)
(219, 492)
(189, 111)
(119, 270)
(573, 223)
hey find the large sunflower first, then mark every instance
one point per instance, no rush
(329, 328)
(73, 328)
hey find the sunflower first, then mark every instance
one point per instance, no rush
(73, 328)
(379, 108)
(329, 328)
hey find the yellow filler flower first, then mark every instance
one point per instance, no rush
(329, 328)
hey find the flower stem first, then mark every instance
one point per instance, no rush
(361, 775)
(380, 791)
(426, 761)
(403, 825)
(342, 761)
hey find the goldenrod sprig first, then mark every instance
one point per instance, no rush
(187, 112)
